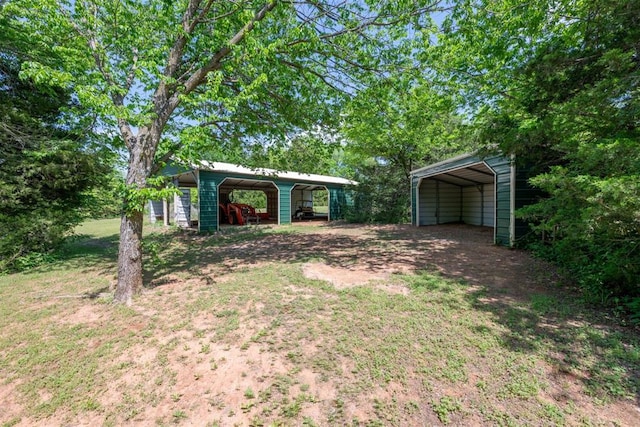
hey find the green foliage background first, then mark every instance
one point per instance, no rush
(557, 83)
(50, 176)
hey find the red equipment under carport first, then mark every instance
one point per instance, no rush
(238, 213)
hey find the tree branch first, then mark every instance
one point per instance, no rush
(216, 60)
(177, 50)
(166, 102)
(373, 21)
(127, 133)
(131, 75)
(310, 71)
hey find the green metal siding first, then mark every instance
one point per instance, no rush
(426, 210)
(208, 197)
(285, 201)
(449, 203)
(502, 167)
(337, 202)
(478, 207)
(414, 186)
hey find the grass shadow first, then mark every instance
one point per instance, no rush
(98, 293)
(578, 340)
(83, 252)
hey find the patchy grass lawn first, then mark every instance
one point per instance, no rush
(309, 325)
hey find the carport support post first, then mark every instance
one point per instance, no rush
(437, 202)
(165, 212)
(481, 189)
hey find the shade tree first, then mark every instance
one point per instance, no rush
(168, 77)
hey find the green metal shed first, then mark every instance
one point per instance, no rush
(483, 191)
(214, 181)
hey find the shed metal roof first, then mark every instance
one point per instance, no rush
(247, 184)
(464, 170)
(475, 174)
(443, 162)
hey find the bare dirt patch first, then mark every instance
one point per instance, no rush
(343, 278)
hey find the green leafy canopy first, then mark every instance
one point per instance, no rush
(133, 62)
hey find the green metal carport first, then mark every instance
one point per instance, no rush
(215, 180)
(469, 189)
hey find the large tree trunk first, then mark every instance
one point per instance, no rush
(141, 151)
(129, 258)
(142, 147)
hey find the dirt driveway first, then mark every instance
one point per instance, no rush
(354, 254)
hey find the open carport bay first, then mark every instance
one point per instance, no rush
(215, 183)
(474, 190)
(464, 195)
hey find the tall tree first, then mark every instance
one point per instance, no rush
(316, 151)
(46, 168)
(393, 127)
(241, 68)
(402, 120)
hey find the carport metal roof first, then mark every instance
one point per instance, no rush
(463, 176)
(247, 184)
(252, 182)
(266, 173)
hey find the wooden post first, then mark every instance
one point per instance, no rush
(165, 212)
